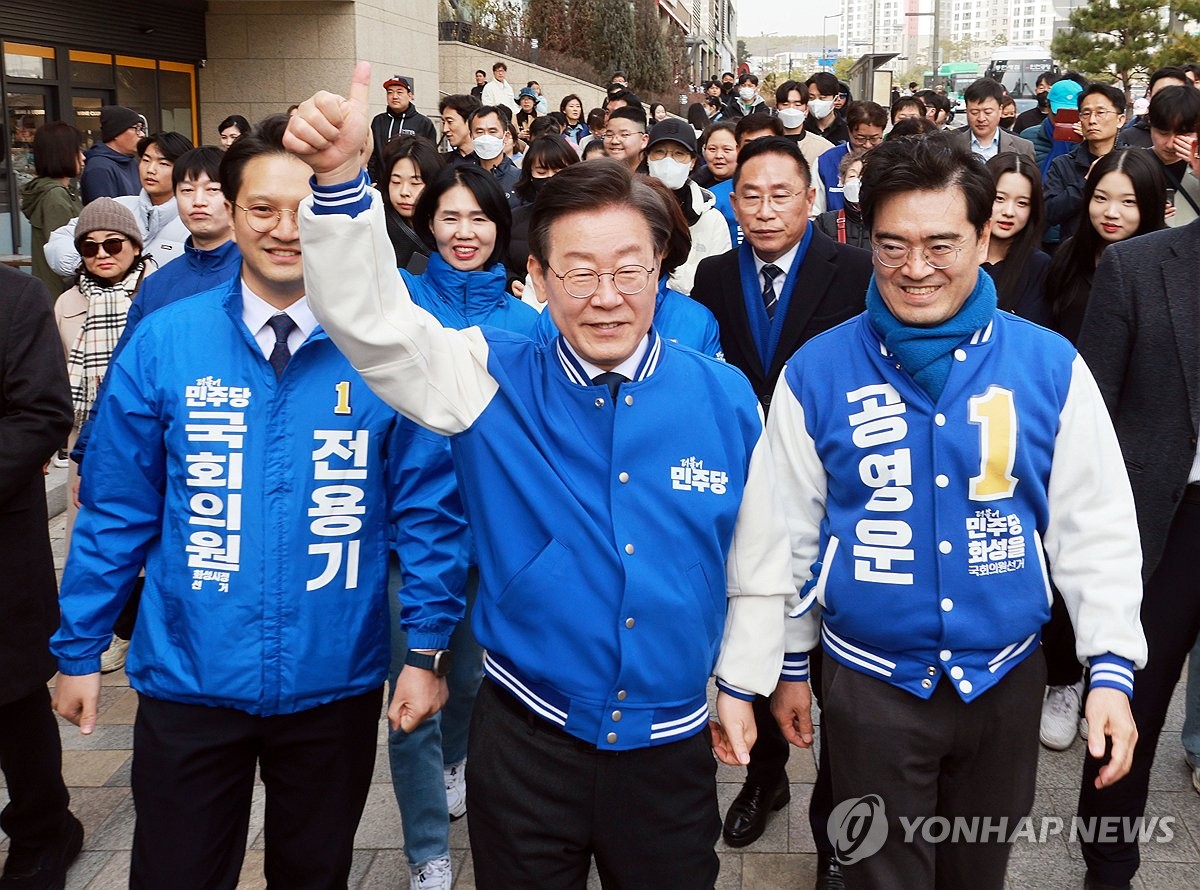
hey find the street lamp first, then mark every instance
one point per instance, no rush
(824, 49)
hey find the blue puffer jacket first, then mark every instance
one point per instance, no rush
(462, 299)
(263, 512)
(677, 318)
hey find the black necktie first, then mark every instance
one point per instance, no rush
(612, 380)
(282, 325)
(770, 272)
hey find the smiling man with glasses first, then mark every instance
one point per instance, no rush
(941, 461)
(627, 138)
(648, 557)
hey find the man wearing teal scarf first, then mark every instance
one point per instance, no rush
(937, 460)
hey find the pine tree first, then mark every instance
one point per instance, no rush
(651, 69)
(609, 46)
(1112, 39)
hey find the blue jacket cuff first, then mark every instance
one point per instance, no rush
(428, 640)
(1110, 671)
(350, 198)
(79, 667)
(795, 667)
(736, 692)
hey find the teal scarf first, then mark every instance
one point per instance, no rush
(926, 352)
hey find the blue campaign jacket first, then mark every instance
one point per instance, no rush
(461, 299)
(196, 272)
(827, 167)
(941, 521)
(327, 478)
(677, 318)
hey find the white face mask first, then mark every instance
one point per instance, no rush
(820, 108)
(488, 147)
(670, 172)
(852, 190)
(746, 93)
(791, 118)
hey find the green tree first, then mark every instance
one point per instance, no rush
(652, 68)
(610, 46)
(1116, 39)
(841, 68)
(547, 21)
(743, 52)
(1180, 46)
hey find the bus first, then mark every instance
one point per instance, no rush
(1019, 67)
(956, 76)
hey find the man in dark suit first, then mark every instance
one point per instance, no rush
(983, 134)
(1139, 339)
(786, 283)
(35, 417)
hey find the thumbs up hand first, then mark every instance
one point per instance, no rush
(328, 131)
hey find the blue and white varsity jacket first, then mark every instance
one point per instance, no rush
(927, 533)
(263, 512)
(626, 551)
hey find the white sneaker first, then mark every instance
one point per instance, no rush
(1193, 764)
(1083, 728)
(113, 658)
(455, 777)
(433, 875)
(1060, 715)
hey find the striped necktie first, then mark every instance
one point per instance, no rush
(282, 325)
(770, 299)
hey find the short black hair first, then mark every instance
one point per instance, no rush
(727, 74)
(717, 127)
(567, 99)
(912, 126)
(487, 193)
(481, 71)
(772, 145)
(748, 78)
(629, 97)
(632, 113)
(983, 89)
(1176, 109)
(786, 88)
(754, 123)
(1169, 72)
(826, 83)
(1049, 78)
(234, 120)
(546, 125)
(170, 145)
(922, 164)
(461, 103)
(864, 111)
(502, 112)
(496, 66)
(418, 149)
(202, 161)
(549, 151)
(1115, 97)
(264, 139)
(907, 102)
(56, 148)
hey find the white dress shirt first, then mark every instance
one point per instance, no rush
(256, 312)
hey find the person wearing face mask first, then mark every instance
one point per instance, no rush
(1008, 113)
(1038, 113)
(671, 157)
(490, 137)
(547, 156)
(845, 226)
(746, 99)
(865, 123)
(823, 119)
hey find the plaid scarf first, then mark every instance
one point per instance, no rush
(108, 306)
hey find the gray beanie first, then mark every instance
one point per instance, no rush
(107, 215)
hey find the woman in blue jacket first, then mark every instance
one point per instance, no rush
(464, 218)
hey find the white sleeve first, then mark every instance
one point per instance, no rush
(60, 251)
(437, 376)
(757, 582)
(818, 205)
(1092, 541)
(802, 484)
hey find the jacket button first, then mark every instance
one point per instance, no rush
(966, 687)
(925, 684)
(629, 400)
(931, 670)
(621, 695)
(629, 549)
(947, 604)
(939, 419)
(960, 355)
(956, 672)
(945, 547)
(612, 738)
(616, 715)
(599, 403)
(624, 477)
(629, 622)
(941, 480)
(945, 655)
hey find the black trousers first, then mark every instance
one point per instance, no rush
(193, 775)
(1058, 645)
(1171, 622)
(31, 759)
(544, 803)
(936, 757)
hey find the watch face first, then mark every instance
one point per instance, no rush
(443, 661)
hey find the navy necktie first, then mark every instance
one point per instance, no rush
(770, 299)
(612, 380)
(282, 325)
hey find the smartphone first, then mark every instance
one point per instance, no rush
(1064, 125)
(1171, 197)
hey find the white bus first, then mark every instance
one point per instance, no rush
(1019, 67)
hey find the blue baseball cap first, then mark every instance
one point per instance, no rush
(1064, 94)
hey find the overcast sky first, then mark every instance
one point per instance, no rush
(793, 17)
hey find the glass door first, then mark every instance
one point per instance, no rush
(28, 108)
(86, 105)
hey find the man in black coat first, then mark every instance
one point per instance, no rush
(785, 284)
(400, 118)
(35, 417)
(1140, 340)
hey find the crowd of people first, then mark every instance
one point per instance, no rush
(546, 420)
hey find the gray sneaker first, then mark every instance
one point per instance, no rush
(455, 778)
(1060, 716)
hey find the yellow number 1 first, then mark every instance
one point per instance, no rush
(343, 397)
(996, 416)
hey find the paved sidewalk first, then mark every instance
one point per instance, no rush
(97, 771)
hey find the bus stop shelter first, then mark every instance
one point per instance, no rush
(868, 82)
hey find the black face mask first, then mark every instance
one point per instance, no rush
(1006, 123)
(537, 183)
(1043, 102)
(727, 88)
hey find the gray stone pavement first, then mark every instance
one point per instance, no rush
(97, 771)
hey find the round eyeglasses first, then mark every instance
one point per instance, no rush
(263, 217)
(936, 256)
(583, 283)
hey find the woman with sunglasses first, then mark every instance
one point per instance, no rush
(409, 163)
(465, 221)
(91, 315)
(1014, 259)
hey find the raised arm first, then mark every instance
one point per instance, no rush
(437, 376)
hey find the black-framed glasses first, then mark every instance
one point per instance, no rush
(583, 283)
(263, 217)
(936, 256)
(112, 247)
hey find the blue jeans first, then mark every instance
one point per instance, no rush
(1191, 720)
(417, 758)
